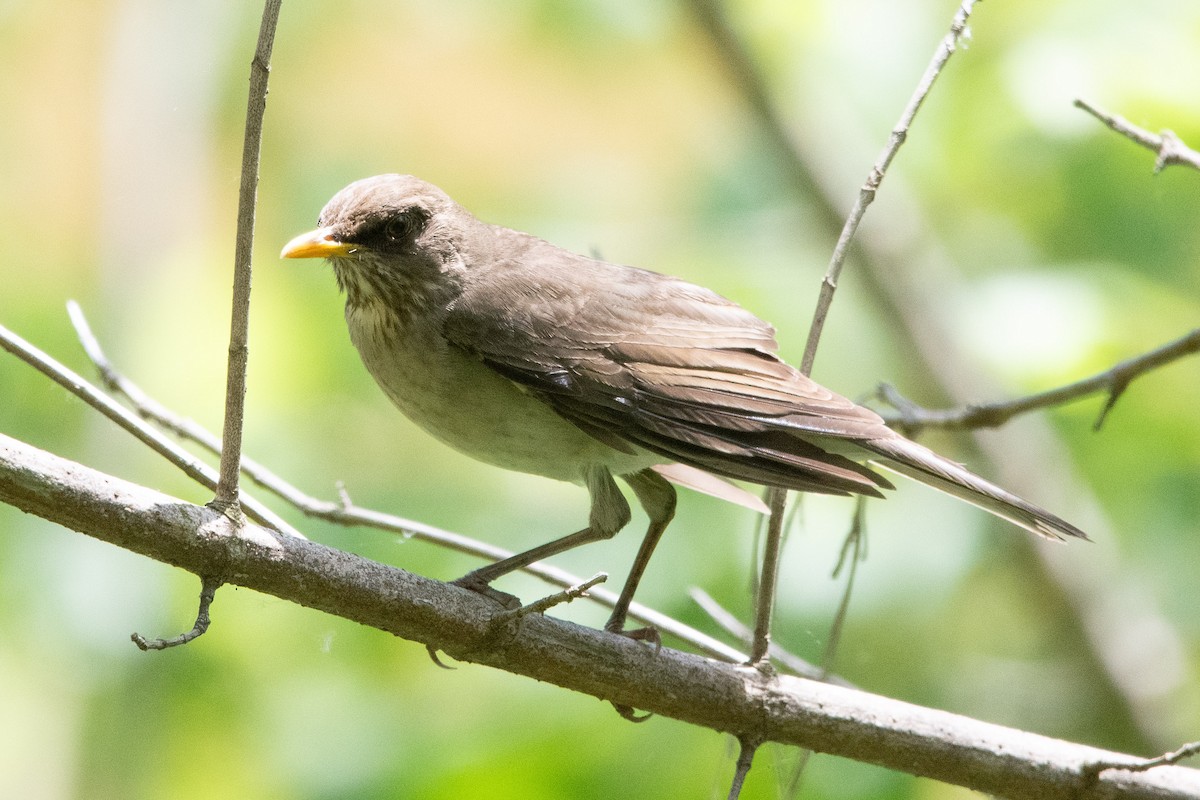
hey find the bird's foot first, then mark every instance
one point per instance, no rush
(479, 585)
(616, 624)
(648, 634)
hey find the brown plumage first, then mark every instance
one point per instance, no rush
(534, 358)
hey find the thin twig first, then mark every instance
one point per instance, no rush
(767, 585)
(775, 497)
(1168, 148)
(866, 194)
(853, 553)
(208, 592)
(235, 385)
(1092, 771)
(346, 513)
(747, 747)
(191, 466)
(787, 661)
(1114, 381)
(1092, 590)
(712, 16)
(542, 605)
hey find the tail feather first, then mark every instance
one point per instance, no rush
(706, 483)
(922, 464)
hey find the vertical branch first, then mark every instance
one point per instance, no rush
(866, 194)
(235, 381)
(765, 601)
(711, 16)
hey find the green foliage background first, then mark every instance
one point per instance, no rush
(1049, 247)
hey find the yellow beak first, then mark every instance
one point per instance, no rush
(315, 244)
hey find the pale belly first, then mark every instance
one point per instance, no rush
(466, 405)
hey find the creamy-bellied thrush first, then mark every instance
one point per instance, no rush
(533, 358)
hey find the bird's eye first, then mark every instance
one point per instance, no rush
(397, 229)
(403, 226)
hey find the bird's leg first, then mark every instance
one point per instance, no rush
(658, 499)
(609, 513)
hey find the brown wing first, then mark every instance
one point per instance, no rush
(635, 357)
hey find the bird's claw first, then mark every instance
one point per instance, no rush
(472, 582)
(648, 634)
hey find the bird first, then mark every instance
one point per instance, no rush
(533, 358)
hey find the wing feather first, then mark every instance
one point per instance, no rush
(640, 358)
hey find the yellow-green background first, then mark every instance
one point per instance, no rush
(1046, 246)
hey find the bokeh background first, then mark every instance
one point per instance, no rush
(1035, 245)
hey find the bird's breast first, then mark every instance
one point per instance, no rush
(466, 405)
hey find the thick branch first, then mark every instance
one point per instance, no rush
(346, 513)
(700, 691)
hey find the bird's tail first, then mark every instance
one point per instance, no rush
(922, 464)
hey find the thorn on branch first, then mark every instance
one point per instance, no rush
(1118, 388)
(208, 592)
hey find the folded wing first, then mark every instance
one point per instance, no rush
(633, 357)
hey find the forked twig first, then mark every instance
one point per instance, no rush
(345, 512)
(191, 466)
(1092, 771)
(866, 195)
(1115, 380)
(1168, 147)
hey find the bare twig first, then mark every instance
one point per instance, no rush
(712, 16)
(1168, 147)
(192, 467)
(853, 553)
(725, 697)
(544, 604)
(235, 386)
(747, 747)
(345, 512)
(788, 661)
(1090, 591)
(1092, 771)
(208, 592)
(764, 599)
(866, 195)
(1114, 381)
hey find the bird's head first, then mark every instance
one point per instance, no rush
(391, 238)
